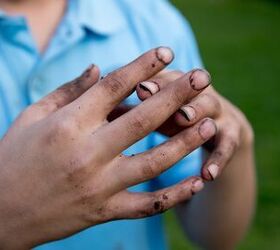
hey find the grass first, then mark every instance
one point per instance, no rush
(239, 42)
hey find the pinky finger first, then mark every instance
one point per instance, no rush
(128, 205)
(220, 156)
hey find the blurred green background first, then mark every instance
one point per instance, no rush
(239, 42)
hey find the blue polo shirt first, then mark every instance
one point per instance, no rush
(109, 33)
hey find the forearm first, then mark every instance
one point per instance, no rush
(218, 217)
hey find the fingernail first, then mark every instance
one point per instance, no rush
(200, 79)
(213, 170)
(164, 54)
(197, 185)
(87, 71)
(149, 86)
(188, 112)
(207, 129)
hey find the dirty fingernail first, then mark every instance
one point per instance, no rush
(164, 54)
(87, 71)
(200, 79)
(207, 129)
(188, 112)
(149, 86)
(213, 170)
(197, 185)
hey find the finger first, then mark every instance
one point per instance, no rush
(138, 205)
(204, 105)
(148, 165)
(153, 85)
(151, 113)
(112, 89)
(150, 87)
(226, 145)
(62, 96)
(119, 111)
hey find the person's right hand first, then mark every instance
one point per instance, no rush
(62, 168)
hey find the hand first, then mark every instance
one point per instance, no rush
(62, 168)
(233, 128)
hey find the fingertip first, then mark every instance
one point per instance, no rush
(95, 71)
(206, 175)
(91, 74)
(165, 55)
(142, 93)
(185, 116)
(213, 170)
(210, 171)
(197, 185)
(207, 128)
(146, 89)
(199, 79)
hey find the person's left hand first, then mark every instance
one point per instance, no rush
(233, 128)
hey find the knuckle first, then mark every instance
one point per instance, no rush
(75, 170)
(49, 105)
(184, 143)
(232, 140)
(92, 213)
(154, 164)
(139, 124)
(177, 96)
(69, 89)
(115, 82)
(218, 155)
(149, 167)
(142, 65)
(207, 102)
(62, 129)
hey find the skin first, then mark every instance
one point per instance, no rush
(211, 219)
(86, 183)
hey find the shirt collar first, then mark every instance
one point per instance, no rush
(15, 20)
(104, 17)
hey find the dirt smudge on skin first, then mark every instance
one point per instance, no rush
(165, 197)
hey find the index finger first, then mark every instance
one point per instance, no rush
(101, 99)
